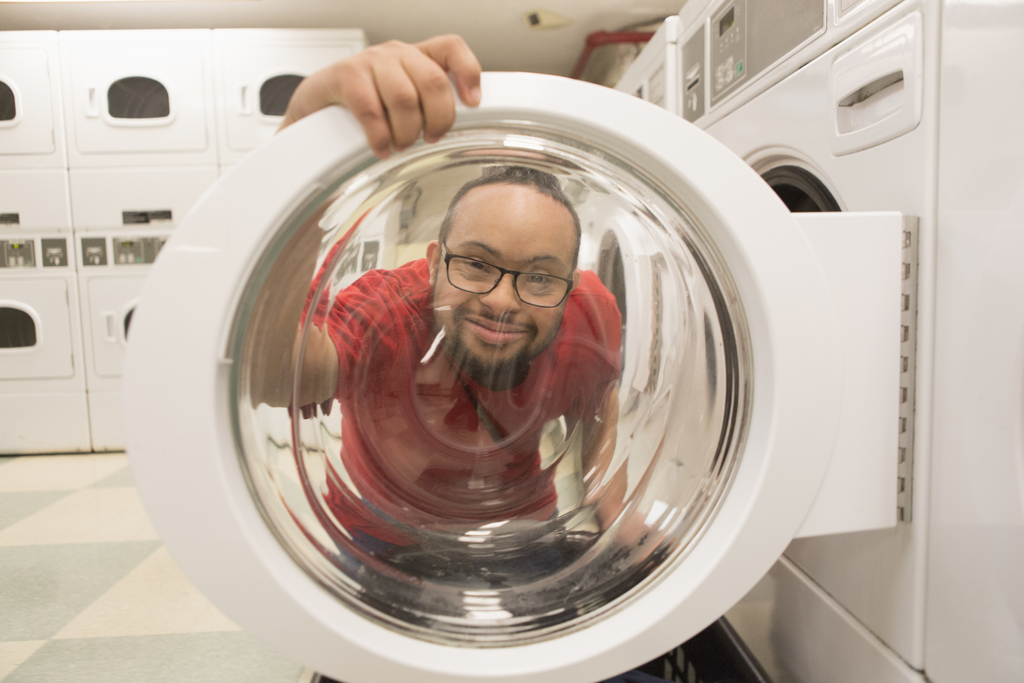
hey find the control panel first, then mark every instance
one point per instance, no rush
(17, 254)
(124, 251)
(728, 48)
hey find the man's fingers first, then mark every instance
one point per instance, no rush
(435, 92)
(360, 96)
(401, 101)
(454, 56)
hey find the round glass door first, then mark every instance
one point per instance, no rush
(510, 445)
(536, 402)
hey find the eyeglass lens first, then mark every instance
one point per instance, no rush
(479, 277)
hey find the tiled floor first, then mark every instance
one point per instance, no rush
(88, 594)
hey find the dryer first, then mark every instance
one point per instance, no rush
(140, 119)
(42, 380)
(113, 266)
(744, 316)
(42, 374)
(256, 72)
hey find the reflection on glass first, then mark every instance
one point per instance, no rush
(489, 390)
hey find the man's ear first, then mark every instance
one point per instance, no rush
(433, 257)
(576, 276)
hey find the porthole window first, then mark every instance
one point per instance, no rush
(138, 97)
(501, 460)
(800, 190)
(8, 105)
(17, 329)
(276, 92)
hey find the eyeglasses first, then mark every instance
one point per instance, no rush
(480, 277)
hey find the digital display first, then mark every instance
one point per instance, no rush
(726, 22)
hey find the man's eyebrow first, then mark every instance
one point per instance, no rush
(494, 252)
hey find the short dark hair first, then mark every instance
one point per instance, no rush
(541, 181)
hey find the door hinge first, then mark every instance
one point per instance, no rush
(908, 373)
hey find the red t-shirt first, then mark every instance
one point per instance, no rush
(425, 445)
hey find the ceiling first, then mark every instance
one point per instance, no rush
(497, 30)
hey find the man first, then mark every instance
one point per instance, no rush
(449, 369)
(495, 334)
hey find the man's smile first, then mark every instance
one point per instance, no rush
(494, 332)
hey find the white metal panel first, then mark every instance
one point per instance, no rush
(25, 71)
(976, 540)
(34, 199)
(101, 198)
(111, 301)
(29, 425)
(245, 59)
(861, 254)
(45, 301)
(92, 61)
(35, 139)
(829, 645)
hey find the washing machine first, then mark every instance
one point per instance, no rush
(256, 72)
(767, 370)
(840, 115)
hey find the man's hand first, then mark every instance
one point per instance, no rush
(395, 90)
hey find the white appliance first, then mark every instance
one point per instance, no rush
(141, 128)
(974, 606)
(33, 156)
(142, 149)
(112, 268)
(42, 374)
(849, 121)
(256, 72)
(782, 355)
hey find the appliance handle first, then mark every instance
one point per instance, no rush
(244, 105)
(92, 109)
(110, 326)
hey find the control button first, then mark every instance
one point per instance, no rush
(55, 253)
(94, 251)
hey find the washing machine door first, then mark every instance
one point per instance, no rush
(486, 477)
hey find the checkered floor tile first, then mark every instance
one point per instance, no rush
(89, 594)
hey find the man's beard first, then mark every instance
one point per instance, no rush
(495, 374)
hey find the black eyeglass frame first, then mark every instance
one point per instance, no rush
(448, 256)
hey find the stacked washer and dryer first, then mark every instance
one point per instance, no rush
(153, 118)
(42, 375)
(838, 108)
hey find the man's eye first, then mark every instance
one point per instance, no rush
(476, 265)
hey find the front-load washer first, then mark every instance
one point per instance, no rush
(374, 536)
(42, 374)
(113, 267)
(850, 130)
(256, 72)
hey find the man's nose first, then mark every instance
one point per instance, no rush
(503, 298)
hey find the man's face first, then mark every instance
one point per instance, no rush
(494, 336)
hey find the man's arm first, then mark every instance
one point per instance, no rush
(396, 91)
(598, 449)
